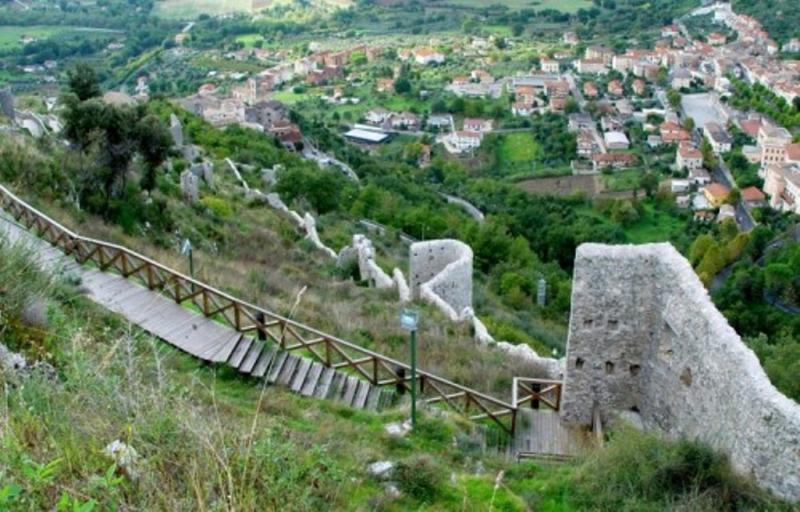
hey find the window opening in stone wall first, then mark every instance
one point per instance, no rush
(686, 376)
(579, 363)
(609, 367)
(635, 369)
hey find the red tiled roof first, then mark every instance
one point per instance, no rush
(752, 194)
(751, 126)
(717, 190)
(793, 152)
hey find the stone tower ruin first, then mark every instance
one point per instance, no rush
(644, 336)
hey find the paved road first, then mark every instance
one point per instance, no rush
(743, 217)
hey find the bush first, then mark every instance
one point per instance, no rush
(637, 471)
(218, 206)
(420, 477)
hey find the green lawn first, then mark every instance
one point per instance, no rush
(654, 226)
(622, 180)
(290, 97)
(517, 154)
(249, 40)
(10, 35)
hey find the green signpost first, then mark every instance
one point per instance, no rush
(409, 319)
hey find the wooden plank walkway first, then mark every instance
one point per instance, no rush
(541, 434)
(195, 334)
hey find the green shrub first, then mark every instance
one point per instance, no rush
(419, 477)
(638, 471)
(218, 206)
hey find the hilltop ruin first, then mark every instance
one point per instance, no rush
(644, 337)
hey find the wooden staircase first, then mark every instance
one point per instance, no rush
(264, 360)
(219, 328)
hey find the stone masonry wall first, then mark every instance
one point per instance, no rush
(645, 336)
(442, 268)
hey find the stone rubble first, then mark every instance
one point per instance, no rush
(381, 468)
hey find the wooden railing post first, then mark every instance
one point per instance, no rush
(237, 319)
(327, 352)
(150, 277)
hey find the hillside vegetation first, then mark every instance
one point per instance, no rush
(199, 437)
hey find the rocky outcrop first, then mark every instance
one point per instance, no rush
(644, 336)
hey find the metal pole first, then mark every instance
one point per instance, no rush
(413, 379)
(191, 263)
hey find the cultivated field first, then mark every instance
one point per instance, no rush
(10, 35)
(559, 5)
(191, 9)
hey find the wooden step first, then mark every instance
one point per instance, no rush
(324, 383)
(335, 389)
(387, 398)
(300, 375)
(349, 391)
(311, 379)
(240, 351)
(360, 398)
(252, 356)
(373, 398)
(288, 370)
(277, 365)
(267, 355)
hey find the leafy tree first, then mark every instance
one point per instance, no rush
(649, 182)
(734, 196)
(402, 85)
(674, 98)
(154, 143)
(82, 81)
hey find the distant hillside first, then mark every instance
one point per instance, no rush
(781, 18)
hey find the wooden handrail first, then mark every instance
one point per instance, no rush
(548, 387)
(245, 315)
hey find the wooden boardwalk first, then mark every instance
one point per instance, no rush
(197, 335)
(540, 434)
(220, 328)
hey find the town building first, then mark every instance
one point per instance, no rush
(718, 137)
(716, 193)
(613, 161)
(688, 157)
(615, 141)
(773, 141)
(549, 65)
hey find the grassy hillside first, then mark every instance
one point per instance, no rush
(206, 439)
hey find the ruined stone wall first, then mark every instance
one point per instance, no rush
(441, 272)
(645, 336)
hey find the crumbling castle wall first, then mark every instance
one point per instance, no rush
(441, 273)
(644, 336)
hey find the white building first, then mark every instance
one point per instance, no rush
(616, 140)
(461, 141)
